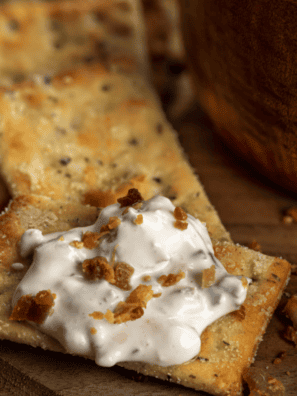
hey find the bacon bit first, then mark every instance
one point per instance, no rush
(294, 269)
(157, 295)
(97, 315)
(122, 274)
(35, 309)
(180, 214)
(146, 278)
(113, 222)
(131, 198)
(287, 220)
(98, 268)
(61, 238)
(244, 282)
(91, 239)
(139, 219)
(291, 334)
(254, 245)
(171, 279)
(109, 316)
(77, 244)
(208, 277)
(290, 310)
(181, 225)
(93, 330)
(131, 309)
(292, 212)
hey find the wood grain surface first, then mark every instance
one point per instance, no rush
(250, 208)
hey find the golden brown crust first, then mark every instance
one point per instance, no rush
(228, 345)
(49, 37)
(74, 141)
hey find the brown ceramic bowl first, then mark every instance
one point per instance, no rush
(243, 54)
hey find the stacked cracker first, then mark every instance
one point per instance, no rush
(81, 140)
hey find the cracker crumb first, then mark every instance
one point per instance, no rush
(208, 277)
(171, 279)
(244, 282)
(292, 213)
(157, 295)
(180, 214)
(139, 219)
(77, 244)
(254, 245)
(146, 278)
(287, 220)
(290, 310)
(61, 238)
(288, 373)
(277, 361)
(36, 309)
(98, 268)
(91, 239)
(131, 198)
(93, 330)
(291, 334)
(181, 225)
(113, 222)
(122, 274)
(239, 314)
(97, 315)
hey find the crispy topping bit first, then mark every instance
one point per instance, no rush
(290, 216)
(77, 244)
(114, 222)
(91, 239)
(131, 198)
(98, 268)
(139, 219)
(291, 334)
(261, 383)
(290, 310)
(97, 315)
(181, 225)
(109, 316)
(93, 330)
(146, 278)
(254, 245)
(157, 295)
(244, 282)
(122, 274)
(208, 277)
(35, 309)
(180, 214)
(171, 279)
(61, 238)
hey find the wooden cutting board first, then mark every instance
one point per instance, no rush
(251, 208)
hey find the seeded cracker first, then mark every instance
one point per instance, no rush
(219, 367)
(116, 141)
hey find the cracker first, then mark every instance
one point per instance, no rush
(48, 37)
(228, 345)
(89, 136)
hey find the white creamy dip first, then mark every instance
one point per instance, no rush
(169, 331)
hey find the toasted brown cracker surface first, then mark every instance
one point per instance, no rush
(228, 345)
(71, 139)
(51, 36)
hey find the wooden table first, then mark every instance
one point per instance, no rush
(251, 208)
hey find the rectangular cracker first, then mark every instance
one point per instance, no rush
(51, 36)
(91, 134)
(228, 345)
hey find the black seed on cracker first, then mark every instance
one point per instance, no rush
(65, 160)
(14, 25)
(133, 142)
(157, 180)
(159, 128)
(106, 87)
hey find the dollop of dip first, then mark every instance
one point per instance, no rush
(141, 284)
